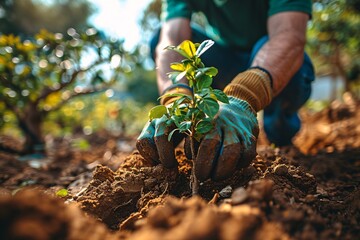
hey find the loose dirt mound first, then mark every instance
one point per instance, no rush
(336, 128)
(32, 214)
(278, 193)
(283, 194)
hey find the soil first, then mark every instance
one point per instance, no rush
(306, 191)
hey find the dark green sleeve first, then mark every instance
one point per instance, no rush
(277, 6)
(175, 8)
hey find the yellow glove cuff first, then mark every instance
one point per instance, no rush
(253, 86)
(166, 100)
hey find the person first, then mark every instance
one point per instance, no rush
(259, 53)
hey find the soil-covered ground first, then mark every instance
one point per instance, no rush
(306, 191)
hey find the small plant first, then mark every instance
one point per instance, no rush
(192, 114)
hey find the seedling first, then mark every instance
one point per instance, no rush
(192, 114)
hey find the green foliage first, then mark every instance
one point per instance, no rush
(52, 68)
(333, 41)
(40, 75)
(194, 114)
(139, 80)
(27, 17)
(157, 112)
(96, 112)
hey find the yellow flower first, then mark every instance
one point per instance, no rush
(9, 40)
(26, 46)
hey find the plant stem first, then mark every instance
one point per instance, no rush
(194, 182)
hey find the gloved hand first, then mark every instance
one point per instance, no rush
(153, 142)
(232, 143)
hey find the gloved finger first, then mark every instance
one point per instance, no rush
(145, 143)
(165, 148)
(249, 153)
(207, 154)
(230, 154)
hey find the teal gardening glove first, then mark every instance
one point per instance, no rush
(231, 144)
(153, 142)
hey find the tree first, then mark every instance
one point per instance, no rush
(40, 75)
(333, 40)
(27, 17)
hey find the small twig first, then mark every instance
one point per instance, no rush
(214, 199)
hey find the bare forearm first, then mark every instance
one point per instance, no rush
(163, 67)
(283, 54)
(282, 57)
(172, 34)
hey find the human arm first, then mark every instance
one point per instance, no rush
(283, 54)
(232, 144)
(153, 142)
(173, 32)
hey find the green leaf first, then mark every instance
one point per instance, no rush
(203, 92)
(180, 76)
(211, 71)
(188, 47)
(203, 82)
(62, 193)
(203, 126)
(173, 76)
(180, 51)
(190, 112)
(203, 47)
(184, 126)
(177, 119)
(209, 106)
(191, 83)
(186, 61)
(221, 96)
(181, 95)
(157, 112)
(200, 115)
(190, 70)
(171, 133)
(177, 67)
(186, 98)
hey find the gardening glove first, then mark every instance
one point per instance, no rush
(153, 142)
(231, 144)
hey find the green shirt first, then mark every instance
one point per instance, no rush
(234, 23)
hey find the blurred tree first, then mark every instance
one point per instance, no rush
(27, 17)
(39, 76)
(151, 17)
(333, 39)
(140, 80)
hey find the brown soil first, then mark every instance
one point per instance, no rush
(307, 191)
